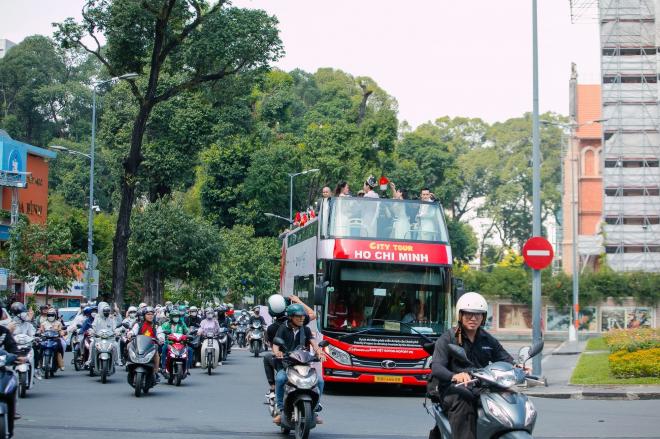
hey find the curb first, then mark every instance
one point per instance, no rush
(591, 395)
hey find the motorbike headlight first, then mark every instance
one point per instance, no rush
(498, 413)
(98, 346)
(300, 381)
(427, 364)
(174, 350)
(530, 413)
(222, 339)
(340, 356)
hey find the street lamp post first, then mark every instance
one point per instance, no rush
(90, 156)
(272, 215)
(291, 189)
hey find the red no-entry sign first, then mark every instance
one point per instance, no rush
(537, 253)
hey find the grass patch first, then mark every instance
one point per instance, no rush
(595, 369)
(597, 344)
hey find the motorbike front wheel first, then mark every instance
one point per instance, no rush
(179, 376)
(76, 360)
(256, 348)
(139, 383)
(47, 370)
(209, 362)
(304, 416)
(104, 371)
(22, 384)
(3, 427)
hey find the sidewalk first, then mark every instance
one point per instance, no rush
(558, 368)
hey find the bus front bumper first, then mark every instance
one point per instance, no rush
(393, 376)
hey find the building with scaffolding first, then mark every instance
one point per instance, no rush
(631, 137)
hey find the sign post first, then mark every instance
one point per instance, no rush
(538, 254)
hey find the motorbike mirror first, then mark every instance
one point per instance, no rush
(536, 349)
(78, 326)
(126, 325)
(278, 341)
(429, 348)
(323, 343)
(523, 354)
(458, 353)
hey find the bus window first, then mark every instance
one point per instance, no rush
(303, 287)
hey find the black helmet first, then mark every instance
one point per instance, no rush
(17, 308)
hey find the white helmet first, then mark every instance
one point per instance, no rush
(276, 305)
(132, 309)
(471, 302)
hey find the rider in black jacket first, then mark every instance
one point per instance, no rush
(8, 344)
(481, 349)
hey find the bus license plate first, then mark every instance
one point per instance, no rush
(388, 379)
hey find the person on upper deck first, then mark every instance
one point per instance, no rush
(326, 192)
(341, 190)
(369, 185)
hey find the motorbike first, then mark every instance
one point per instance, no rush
(122, 338)
(25, 371)
(301, 392)
(76, 340)
(104, 363)
(176, 363)
(194, 341)
(8, 383)
(86, 349)
(223, 342)
(140, 366)
(241, 334)
(50, 341)
(256, 338)
(503, 411)
(210, 352)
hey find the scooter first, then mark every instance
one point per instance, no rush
(25, 371)
(223, 342)
(8, 383)
(210, 352)
(301, 392)
(86, 350)
(140, 366)
(194, 341)
(176, 363)
(503, 412)
(50, 341)
(256, 338)
(241, 331)
(104, 363)
(77, 360)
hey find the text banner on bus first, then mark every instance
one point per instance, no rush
(398, 252)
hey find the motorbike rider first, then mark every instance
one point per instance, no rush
(209, 324)
(243, 318)
(481, 349)
(277, 310)
(193, 318)
(292, 333)
(105, 321)
(8, 344)
(255, 317)
(147, 326)
(21, 318)
(225, 322)
(128, 322)
(175, 324)
(53, 324)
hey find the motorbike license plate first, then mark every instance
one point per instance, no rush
(388, 379)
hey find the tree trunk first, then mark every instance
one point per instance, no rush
(153, 287)
(128, 182)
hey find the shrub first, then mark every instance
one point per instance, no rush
(632, 340)
(641, 363)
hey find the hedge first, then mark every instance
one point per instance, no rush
(640, 363)
(515, 282)
(632, 340)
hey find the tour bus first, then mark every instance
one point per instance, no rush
(379, 273)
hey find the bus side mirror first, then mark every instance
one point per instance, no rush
(319, 293)
(458, 288)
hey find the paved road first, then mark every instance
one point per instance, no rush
(229, 405)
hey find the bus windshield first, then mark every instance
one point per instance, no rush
(385, 298)
(385, 219)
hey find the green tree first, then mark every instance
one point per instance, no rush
(169, 243)
(42, 253)
(463, 241)
(176, 45)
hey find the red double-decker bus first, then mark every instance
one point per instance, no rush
(379, 273)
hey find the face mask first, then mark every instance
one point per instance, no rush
(131, 315)
(106, 313)
(51, 318)
(175, 319)
(193, 314)
(209, 316)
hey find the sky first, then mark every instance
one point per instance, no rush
(468, 58)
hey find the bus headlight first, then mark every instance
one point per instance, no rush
(341, 357)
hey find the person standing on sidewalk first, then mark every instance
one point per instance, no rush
(481, 349)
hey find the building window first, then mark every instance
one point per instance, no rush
(633, 220)
(631, 163)
(612, 249)
(638, 51)
(632, 192)
(633, 79)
